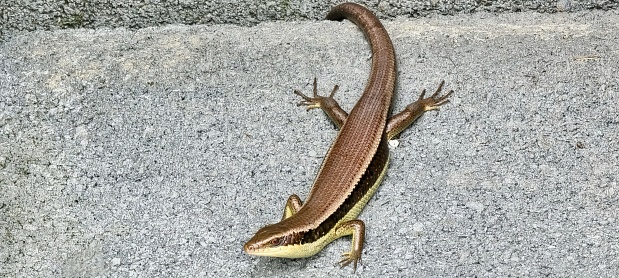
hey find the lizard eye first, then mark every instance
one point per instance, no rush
(277, 241)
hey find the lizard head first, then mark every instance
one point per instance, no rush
(274, 241)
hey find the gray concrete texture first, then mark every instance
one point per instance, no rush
(157, 152)
(68, 14)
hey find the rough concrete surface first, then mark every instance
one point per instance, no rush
(69, 14)
(158, 152)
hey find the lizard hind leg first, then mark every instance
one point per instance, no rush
(327, 103)
(399, 122)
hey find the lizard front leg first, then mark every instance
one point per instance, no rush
(292, 206)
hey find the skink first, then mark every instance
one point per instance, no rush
(356, 162)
